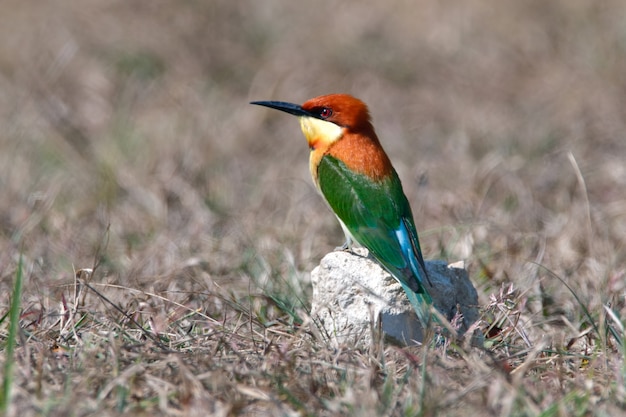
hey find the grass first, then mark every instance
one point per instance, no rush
(11, 341)
(167, 229)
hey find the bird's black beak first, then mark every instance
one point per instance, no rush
(290, 108)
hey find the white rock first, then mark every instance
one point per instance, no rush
(353, 294)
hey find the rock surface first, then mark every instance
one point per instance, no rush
(353, 294)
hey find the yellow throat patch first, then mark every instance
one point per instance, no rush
(320, 134)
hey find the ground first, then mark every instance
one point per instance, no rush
(166, 228)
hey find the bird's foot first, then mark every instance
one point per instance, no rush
(347, 247)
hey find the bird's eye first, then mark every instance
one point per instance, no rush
(325, 113)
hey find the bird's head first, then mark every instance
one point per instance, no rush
(325, 119)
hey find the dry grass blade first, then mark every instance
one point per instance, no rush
(583, 187)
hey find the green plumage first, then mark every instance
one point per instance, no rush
(378, 216)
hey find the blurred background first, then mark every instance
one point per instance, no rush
(505, 120)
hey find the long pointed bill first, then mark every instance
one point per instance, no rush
(290, 108)
(317, 131)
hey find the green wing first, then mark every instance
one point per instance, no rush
(379, 217)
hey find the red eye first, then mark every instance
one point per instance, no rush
(325, 113)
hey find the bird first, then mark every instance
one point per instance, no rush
(352, 172)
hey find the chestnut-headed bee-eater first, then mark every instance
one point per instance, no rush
(355, 176)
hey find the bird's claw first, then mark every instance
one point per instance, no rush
(346, 247)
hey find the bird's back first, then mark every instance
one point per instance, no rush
(377, 215)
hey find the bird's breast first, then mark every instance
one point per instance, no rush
(362, 154)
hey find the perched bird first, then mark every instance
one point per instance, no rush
(355, 176)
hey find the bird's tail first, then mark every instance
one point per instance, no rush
(422, 304)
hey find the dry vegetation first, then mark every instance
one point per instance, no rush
(127, 143)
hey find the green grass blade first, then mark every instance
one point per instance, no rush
(14, 315)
